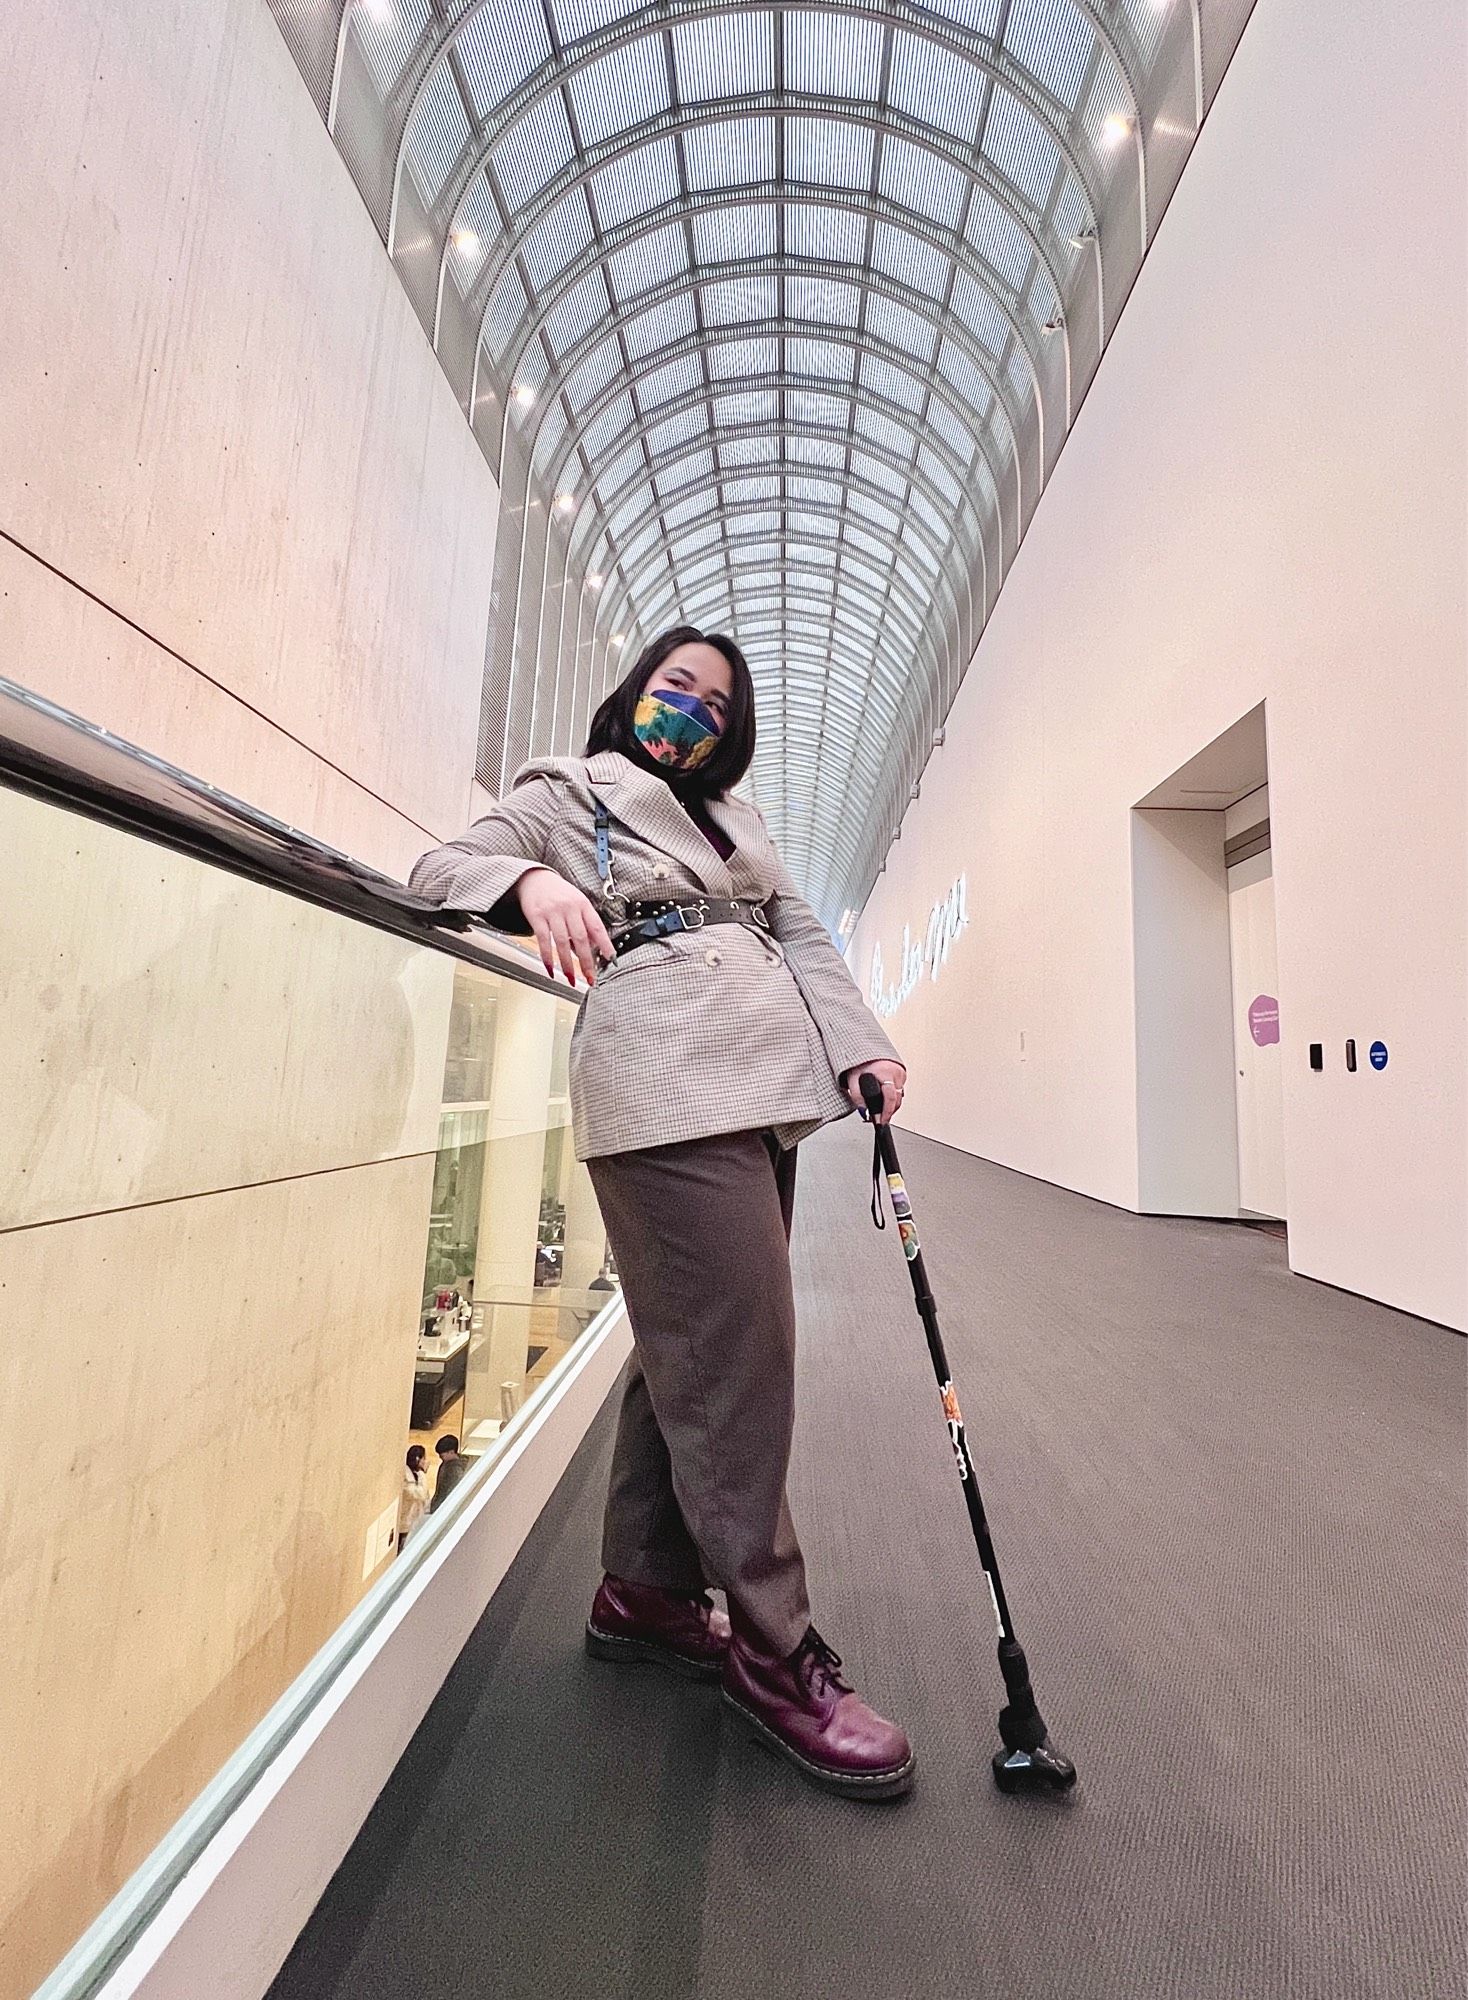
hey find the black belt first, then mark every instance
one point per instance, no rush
(647, 922)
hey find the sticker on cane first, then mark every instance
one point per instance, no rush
(908, 1232)
(953, 1416)
(994, 1600)
(901, 1206)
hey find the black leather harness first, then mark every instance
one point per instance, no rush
(638, 923)
(647, 922)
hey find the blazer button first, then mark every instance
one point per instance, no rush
(712, 958)
(660, 872)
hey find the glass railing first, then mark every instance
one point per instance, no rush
(288, 1207)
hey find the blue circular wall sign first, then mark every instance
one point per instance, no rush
(1377, 1053)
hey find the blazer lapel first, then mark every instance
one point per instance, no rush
(754, 864)
(644, 804)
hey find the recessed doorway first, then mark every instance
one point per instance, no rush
(1254, 968)
(1210, 1084)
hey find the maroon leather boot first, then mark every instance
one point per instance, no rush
(676, 1628)
(804, 1708)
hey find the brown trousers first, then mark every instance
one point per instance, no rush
(700, 1231)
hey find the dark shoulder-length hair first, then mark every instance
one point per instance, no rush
(611, 726)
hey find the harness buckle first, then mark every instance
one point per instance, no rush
(697, 910)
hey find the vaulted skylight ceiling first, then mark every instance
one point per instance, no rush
(772, 321)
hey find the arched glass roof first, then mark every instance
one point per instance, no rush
(771, 319)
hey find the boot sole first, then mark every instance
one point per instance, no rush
(641, 1652)
(888, 1784)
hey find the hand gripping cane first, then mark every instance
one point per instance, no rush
(1028, 1761)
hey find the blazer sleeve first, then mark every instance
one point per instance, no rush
(481, 869)
(847, 1025)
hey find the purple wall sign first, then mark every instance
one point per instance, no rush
(1264, 1019)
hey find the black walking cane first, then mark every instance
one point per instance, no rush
(1028, 1761)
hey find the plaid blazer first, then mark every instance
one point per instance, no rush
(720, 1030)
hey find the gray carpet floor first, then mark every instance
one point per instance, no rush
(1229, 1506)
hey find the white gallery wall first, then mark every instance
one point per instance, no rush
(242, 519)
(1262, 501)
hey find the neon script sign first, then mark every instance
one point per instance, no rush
(945, 921)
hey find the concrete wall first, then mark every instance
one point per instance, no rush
(244, 522)
(216, 1166)
(1263, 500)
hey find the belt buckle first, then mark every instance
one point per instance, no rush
(759, 916)
(699, 910)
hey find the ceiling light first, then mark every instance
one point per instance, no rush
(466, 242)
(1117, 129)
(565, 503)
(1083, 239)
(619, 638)
(524, 395)
(595, 580)
(1053, 326)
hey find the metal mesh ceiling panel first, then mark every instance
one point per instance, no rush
(778, 318)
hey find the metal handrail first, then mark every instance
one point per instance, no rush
(49, 753)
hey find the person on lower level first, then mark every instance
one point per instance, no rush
(413, 1500)
(720, 1028)
(452, 1467)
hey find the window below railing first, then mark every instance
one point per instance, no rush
(288, 1200)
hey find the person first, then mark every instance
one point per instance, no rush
(603, 1281)
(413, 1500)
(452, 1466)
(721, 1026)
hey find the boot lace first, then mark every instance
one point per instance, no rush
(821, 1664)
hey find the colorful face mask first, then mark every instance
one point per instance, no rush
(675, 728)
